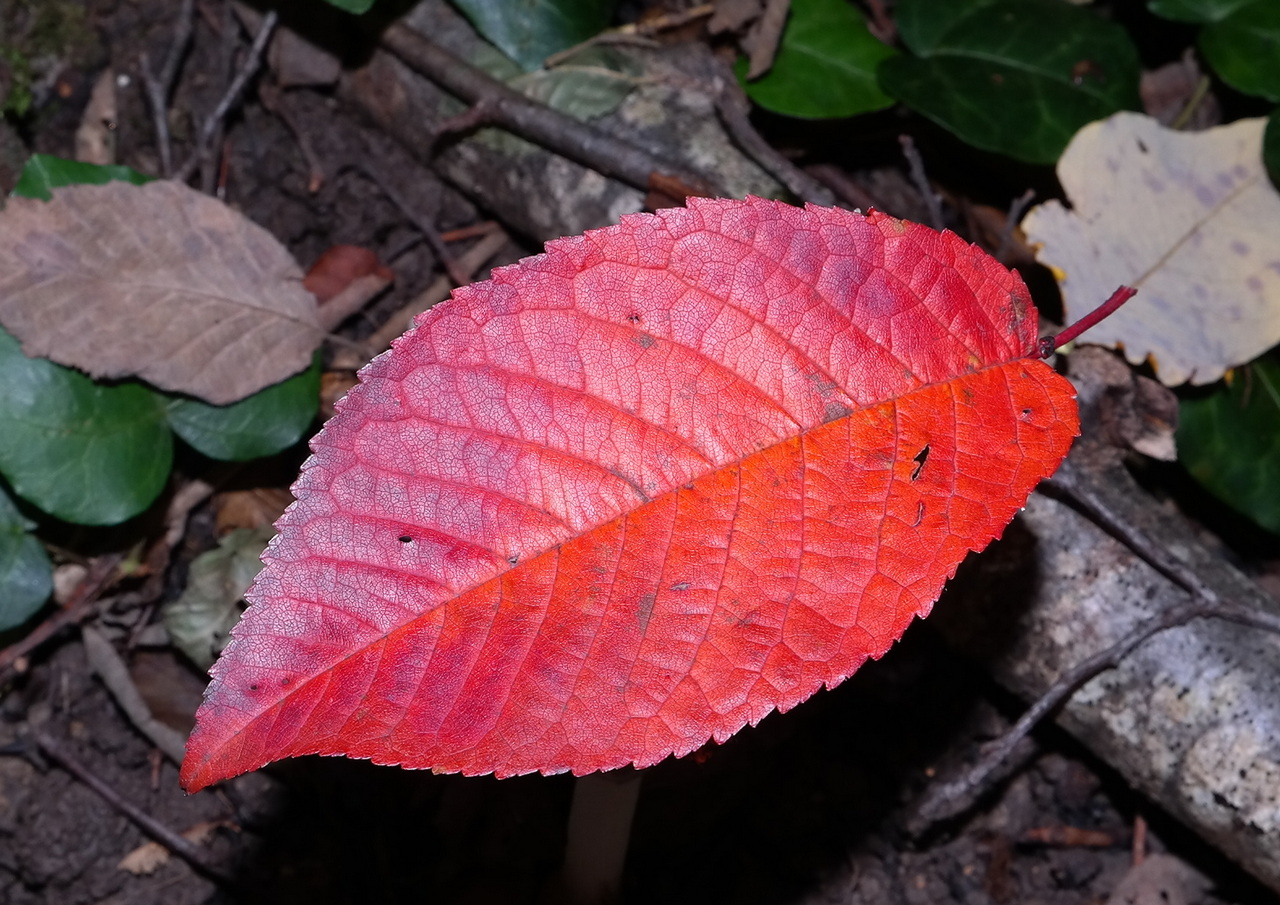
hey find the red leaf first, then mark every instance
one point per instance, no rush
(637, 492)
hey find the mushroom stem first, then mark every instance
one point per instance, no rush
(598, 833)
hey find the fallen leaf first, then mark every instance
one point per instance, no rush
(1160, 879)
(257, 507)
(638, 492)
(1190, 220)
(158, 281)
(201, 618)
(151, 856)
(338, 267)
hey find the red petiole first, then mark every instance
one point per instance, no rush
(1048, 344)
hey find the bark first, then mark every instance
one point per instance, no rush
(1192, 717)
(670, 116)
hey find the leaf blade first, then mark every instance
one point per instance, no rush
(185, 293)
(87, 453)
(553, 461)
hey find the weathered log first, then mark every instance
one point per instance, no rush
(669, 118)
(1192, 717)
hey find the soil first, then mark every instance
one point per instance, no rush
(806, 808)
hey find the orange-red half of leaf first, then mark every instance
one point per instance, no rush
(637, 492)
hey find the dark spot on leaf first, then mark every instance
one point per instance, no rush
(284, 683)
(645, 340)
(1142, 146)
(835, 410)
(406, 539)
(513, 560)
(646, 611)
(634, 317)
(920, 459)
(253, 686)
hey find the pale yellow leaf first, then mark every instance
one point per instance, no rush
(158, 281)
(1190, 220)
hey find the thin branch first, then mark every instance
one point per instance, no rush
(160, 88)
(538, 123)
(1017, 208)
(102, 573)
(111, 669)
(424, 226)
(945, 800)
(915, 165)
(230, 97)
(735, 114)
(145, 822)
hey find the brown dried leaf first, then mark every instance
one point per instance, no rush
(157, 281)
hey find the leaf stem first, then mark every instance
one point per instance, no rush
(1050, 343)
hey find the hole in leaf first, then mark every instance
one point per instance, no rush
(920, 459)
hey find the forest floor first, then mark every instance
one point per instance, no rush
(809, 807)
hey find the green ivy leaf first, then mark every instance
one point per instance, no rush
(26, 576)
(44, 172)
(260, 425)
(825, 67)
(82, 451)
(1195, 10)
(353, 6)
(1229, 440)
(1244, 48)
(529, 31)
(1019, 77)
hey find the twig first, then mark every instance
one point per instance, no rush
(734, 111)
(880, 23)
(423, 225)
(469, 262)
(102, 572)
(230, 97)
(845, 188)
(148, 824)
(1139, 847)
(160, 89)
(635, 32)
(113, 672)
(945, 800)
(915, 165)
(1017, 207)
(185, 499)
(274, 99)
(1197, 97)
(471, 231)
(213, 178)
(538, 123)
